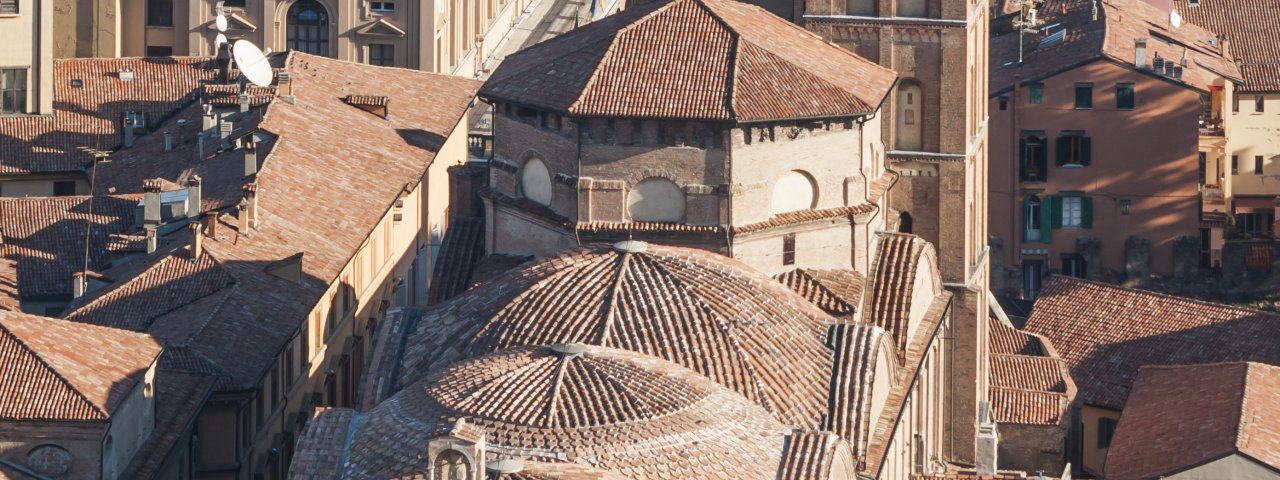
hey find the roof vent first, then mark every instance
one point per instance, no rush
(505, 466)
(630, 246)
(569, 350)
(375, 104)
(125, 75)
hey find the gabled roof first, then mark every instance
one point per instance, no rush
(1105, 333)
(1248, 25)
(1030, 383)
(236, 314)
(1182, 416)
(892, 279)
(58, 370)
(837, 292)
(1111, 37)
(692, 59)
(92, 114)
(381, 27)
(44, 237)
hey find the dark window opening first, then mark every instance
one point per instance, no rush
(1031, 279)
(8, 7)
(1073, 265)
(1032, 219)
(1235, 164)
(1256, 224)
(382, 54)
(1257, 164)
(64, 188)
(1004, 103)
(156, 51)
(1204, 166)
(904, 222)
(1106, 428)
(1034, 157)
(1259, 105)
(13, 91)
(1084, 95)
(1037, 93)
(789, 249)
(159, 13)
(382, 7)
(1124, 96)
(307, 28)
(1074, 149)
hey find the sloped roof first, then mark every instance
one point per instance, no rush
(1112, 37)
(1030, 383)
(812, 455)
(58, 370)
(45, 238)
(837, 292)
(892, 279)
(705, 311)
(1105, 333)
(91, 115)
(636, 415)
(309, 201)
(1182, 416)
(1255, 41)
(692, 59)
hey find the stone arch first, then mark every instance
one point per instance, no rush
(656, 199)
(905, 222)
(793, 191)
(909, 116)
(287, 14)
(452, 465)
(535, 180)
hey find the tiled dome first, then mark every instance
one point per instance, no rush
(631, 414)
(704, 311)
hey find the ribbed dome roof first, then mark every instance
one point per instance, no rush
(632, 414)
(705, 311)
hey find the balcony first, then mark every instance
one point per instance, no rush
(1212, 195)
(1211, 127)
(480, 145)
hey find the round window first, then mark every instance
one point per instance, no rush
(794, 191)
(535, 181)
(656, 200)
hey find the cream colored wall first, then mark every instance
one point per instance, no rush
(38, 188)
(825, 245)
(1094, 457)
(923, 414)
(131, 424)
(1256, 133)
(829, 158)
(87, 28)
(23, 48)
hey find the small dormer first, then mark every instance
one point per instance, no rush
(457, 454)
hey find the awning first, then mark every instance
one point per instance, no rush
(1255, 204)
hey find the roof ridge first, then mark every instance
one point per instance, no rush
(735, 43)
(1070, 279)
(101, 410)
(606, 326)
(1236, 439)
(606, 56)
(553, 393)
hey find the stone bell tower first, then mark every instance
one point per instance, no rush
(935, 130)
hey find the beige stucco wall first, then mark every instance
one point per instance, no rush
(87, 28)
(39, 187)
(1094, 457)
(1255, 133)
(1233, 467)
(131, 424)
(25, 49)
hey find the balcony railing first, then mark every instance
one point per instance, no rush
(1212, 195)
(480, 145)
(1211, 127)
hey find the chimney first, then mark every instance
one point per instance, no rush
(1226, 46)
(1094, 11)
(1140, 53)
(206, 117)
(244, 101)
(193, 197)
(1177, 72)
(224, 133)
(197, 241)
(249, 208)
(151, 238)
(77, 285)
(1168, 68)
(284, 84)
(168, 139)
(151, 202)
(182, 131)
(128, 131)
(250, 145)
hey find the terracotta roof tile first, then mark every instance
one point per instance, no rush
(698, 59)
(1253, 41)
(319, 452)
(1030, 383)
(810, 455)
(1181, 416)
(837, 292)
(893, 273)
(857, 349)
(1105, 333)
(169, 283)
(460, 252)
(91, 115)
(45, 238)
(806, 216)
(58, 370)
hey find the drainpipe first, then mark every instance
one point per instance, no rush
(1014, 239)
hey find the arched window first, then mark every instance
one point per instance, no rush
(307, 28)
(794, 190)
(656, 200)
(910, 117)
(452, 465)
(904, 222)
(535, 181)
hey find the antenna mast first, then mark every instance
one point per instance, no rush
(1026, 21)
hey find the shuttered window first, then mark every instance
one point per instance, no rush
(8, 7)
(1074, 149)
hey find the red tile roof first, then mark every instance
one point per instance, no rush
(806, 216)
(893, 274)
(810, 456)
(1112, 37)
(1030, 383)
(44, 237)
(320, 449)
(1105, 333)
(636, 415)
(696, 59)
(58, 370)
(837, 292)
(1254, 41)
(309, 201)
(92, 115)
(1182, 416)
(857, 350)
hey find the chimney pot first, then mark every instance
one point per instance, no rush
(244, 101)
(206, 117)
(151, 202)
(151, 238)
(250, 146)
(193, 197)
(224, 133)
(284, 83)
(168, 140)
(77, 284)
(197, 241)
(249, 207)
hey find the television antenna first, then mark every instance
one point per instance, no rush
(1026, 21)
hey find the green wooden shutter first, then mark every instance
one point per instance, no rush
(1049, 216)
(1086, 151)
(1086, 212)
(1063, 147)
(1042, 159)
(1026, 219)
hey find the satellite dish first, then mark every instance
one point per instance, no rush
(253, 64)
(218, 41)
(1175, 18)
(221, 22)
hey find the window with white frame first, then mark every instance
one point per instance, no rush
(1072, 212)
(382, 7)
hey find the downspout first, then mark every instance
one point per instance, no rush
(1014, 213)
(577, 199)
(728, 172)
